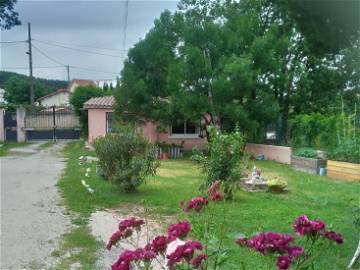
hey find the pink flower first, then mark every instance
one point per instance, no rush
(117, 236)
(183, 252)
(270, 242)
(304, 226)
(283, 262)
(131, 223)
(159, 244)
(129, 256)
(214, 191)
(295, 251)
(196, 204)
(198, 260)
(331, 235)
(179, 230)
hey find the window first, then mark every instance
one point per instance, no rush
(109, 116)
(184, 129)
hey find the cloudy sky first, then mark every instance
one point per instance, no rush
(87, 35)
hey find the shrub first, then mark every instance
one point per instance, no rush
(306, 152)
(126, 158)
(347, 150)
(225, 159)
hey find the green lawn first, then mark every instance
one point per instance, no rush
(318, 197)
(6, 146)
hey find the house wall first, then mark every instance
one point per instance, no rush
(57, 100)
(280, 154)
(97, 128)
(188, 143)
(97, 123)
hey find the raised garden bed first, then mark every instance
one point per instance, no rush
(309, 165)
(343, 170)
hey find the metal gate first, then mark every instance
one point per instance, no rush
(52, 123)
(10, 125)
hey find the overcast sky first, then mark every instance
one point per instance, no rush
(98, 24)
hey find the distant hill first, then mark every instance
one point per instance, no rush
(52, 85)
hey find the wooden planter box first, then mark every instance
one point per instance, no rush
(309, 165)
(343, 170)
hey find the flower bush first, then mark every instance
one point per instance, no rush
(224, 161)
(126, 158)
(178, 249)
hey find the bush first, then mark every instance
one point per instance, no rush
(224, 161)
(306, 152)
(276, 185)
(348, 151)
(126, 158)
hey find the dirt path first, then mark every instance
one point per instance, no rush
(32, 218)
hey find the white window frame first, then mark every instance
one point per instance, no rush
(107, 119)
(185, 135)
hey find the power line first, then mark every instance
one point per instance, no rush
(47, 56)
(33, 67)
(78, 45)
(15, 41)
(79, 50)
(94, 70)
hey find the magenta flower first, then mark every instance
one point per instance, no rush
(270, 242)
(159, 244)
(198, 260)
(283, 262)
(295, 251)
(196, 204)
(214, 191)
(183, 252)
(117, 236)
(131, 223)
(179, 230)
(304, 226)
(331, 235)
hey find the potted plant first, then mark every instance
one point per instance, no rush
(308, 160)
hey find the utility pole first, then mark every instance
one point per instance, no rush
(31, 83)
(68, 72)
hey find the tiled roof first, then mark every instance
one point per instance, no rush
(53, 94)
(83, 82)
(99, 102)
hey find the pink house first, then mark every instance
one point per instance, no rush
(100, 115)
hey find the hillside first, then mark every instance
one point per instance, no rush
(52, 85)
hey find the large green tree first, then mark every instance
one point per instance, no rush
(227, 62)
(79, 97)
(8, 15)
(17, 90)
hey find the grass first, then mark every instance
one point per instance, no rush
(318, 197)
(47, 144)
(78, 246)
(6, 146)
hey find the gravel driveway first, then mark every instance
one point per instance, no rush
(32, 218)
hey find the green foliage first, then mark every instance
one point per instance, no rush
(8, 16)
(224, 160)
(17, 90)
(314, 130)
(126, 158)
(306, 152)
(51, 85)
(348, 151)
(79, 97)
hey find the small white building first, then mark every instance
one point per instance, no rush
(60, 97)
